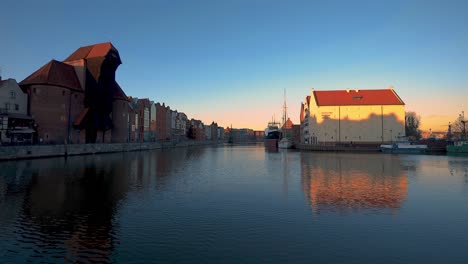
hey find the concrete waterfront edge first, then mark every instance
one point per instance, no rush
(43, 151)
(340, 147)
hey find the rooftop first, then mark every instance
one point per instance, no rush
(357, 97)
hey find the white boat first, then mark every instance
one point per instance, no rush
(403, 147)
(285, 143)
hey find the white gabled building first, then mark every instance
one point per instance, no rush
(348, 116)
(15, 123)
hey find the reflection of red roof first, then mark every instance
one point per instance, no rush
(360, 97)
(92, 51)
(54, 73)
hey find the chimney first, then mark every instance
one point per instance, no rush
(347, 90)
(356, 90)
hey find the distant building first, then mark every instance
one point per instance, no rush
(132, 122)
(196, 130)
(240, 134)
(174, 132)
(221, 135)
(163, 125)
(208, 132)
(360, 116)
(181, 126)
(214, 131)
(142, 109)
(168, 123)
(16, 127)
(152, 121)
(78, 100)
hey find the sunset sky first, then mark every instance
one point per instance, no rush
(229, 61)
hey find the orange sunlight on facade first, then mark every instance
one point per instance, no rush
(360, 116)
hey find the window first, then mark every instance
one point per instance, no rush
(34, 90)
(16, 107)
(63, 92)
(7, 106)
(12, 95)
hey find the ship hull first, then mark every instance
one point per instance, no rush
(271, 143)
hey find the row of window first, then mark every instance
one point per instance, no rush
(8, 106)
(36, 91)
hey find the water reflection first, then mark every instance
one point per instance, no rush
(67, 209)
(64, 208)
(345, 182)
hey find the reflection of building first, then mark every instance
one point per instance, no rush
(346, 182)
(362, 116)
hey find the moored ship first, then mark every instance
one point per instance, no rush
(272, 134)
(404, 147)
(458, 147)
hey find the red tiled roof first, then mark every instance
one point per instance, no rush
(118, 93)
(92, 51)
(81, 117)
(54, 73)
(288, 124)
(360, 97)
(301, 117)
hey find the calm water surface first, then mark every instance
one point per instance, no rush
(235, 205)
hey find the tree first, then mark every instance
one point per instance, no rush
(459, 125)
(412, 122)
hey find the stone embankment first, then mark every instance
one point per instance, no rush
(42, 151)
(341, 147)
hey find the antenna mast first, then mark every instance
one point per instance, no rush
(285, 112)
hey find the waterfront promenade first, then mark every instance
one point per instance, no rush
(43, 151)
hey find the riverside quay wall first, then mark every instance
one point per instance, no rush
(42, 151)
(340, 147)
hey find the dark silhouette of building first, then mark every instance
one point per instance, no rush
(78, 100)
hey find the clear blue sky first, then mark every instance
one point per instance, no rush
(229, 61)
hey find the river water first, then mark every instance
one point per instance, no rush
(238, 204)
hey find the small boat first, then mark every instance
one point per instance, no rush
(285, 143)
(403, 147)
(458, 147)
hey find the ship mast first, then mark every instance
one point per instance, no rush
(285, 113)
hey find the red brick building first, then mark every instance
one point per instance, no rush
(55, 101)
(78, 100)
(163, 125)
(141, 110)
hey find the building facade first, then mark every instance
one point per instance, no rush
(347, 116)
(16, 127)
(78, 100)
(352, 116)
